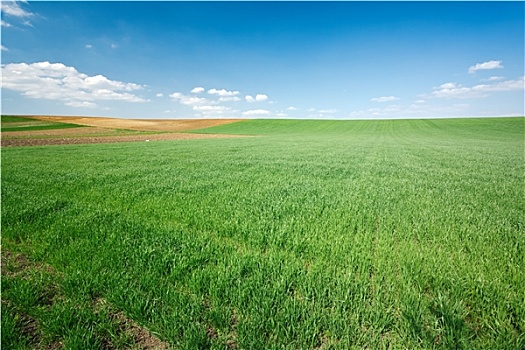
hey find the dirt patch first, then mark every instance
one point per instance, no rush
(20, 266)
(167, 125)
(14, 265)
(8, 142)
(29, 328)
(56, 132)
(143, 338)
(111, 130)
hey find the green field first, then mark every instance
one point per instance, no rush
(398, 234)
(14, 123)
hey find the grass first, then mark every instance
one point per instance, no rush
(14, 119)
(318, 235)
(14, 123)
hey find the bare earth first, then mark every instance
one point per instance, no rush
(166, 125)
(105, 130)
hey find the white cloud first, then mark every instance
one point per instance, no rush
(188, 100)
(81, 104)
(12, 8)
(4, 48)
(254, 112)
(328, 111)
(484, 66)
(453, 90)
(508, 85)
(261, 97)
(208, 108)
(222, 92)
(384, 99)
(291, 108)
(197, 90)
(494, 79)
(160, 95)
(89, 46)
(56, 81)
(213, 111)
(229, 99)
(258, 98)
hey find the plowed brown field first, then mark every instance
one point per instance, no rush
(111, 130)
(165, 125)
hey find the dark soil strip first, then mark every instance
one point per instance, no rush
(6, 142)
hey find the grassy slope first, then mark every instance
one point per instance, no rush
(406, 234)
(14, 119)
(13, 123)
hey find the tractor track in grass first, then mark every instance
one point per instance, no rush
(18, 265)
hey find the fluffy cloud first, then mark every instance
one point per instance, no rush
(188, 100)
(258, 98)
(384, 99)
(291, 108)
(213, 111)
(56, 81)
(485, 65)
(3, 48)
(261, 97)
(229, 99)
(5, 24)
(453, 90)
(197, 90)
(254, 112)
(222, 92)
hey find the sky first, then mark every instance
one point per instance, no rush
(317, 60)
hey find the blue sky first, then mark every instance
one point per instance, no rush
(336, 60)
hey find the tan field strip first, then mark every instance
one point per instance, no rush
(112, 130)
(163, 125)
